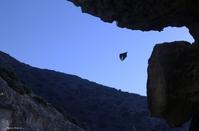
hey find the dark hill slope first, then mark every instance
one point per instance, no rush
(97, 107)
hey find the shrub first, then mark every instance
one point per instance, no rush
(40, 100)
(13, 82)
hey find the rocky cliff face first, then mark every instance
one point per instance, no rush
(172, 87)
(23, 112)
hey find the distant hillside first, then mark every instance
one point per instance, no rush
(94, 106)
(22, 110)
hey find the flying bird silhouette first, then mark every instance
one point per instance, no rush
(123, 56)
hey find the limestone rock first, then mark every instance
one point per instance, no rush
(23, 112)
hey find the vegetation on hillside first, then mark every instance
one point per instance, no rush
(91, 105)
(12, 80)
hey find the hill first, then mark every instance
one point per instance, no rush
(22, 110)
(93, 106)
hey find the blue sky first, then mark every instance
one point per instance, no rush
(54, 34)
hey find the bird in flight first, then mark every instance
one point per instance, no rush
(123, 56)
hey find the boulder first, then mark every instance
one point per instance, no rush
(173, 82)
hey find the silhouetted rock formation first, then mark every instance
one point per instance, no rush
(173, 89)
(173, 83)
(145, 14)
(172, 78)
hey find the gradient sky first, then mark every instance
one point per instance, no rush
(54, 34)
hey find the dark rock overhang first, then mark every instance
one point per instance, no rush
(143, 15)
